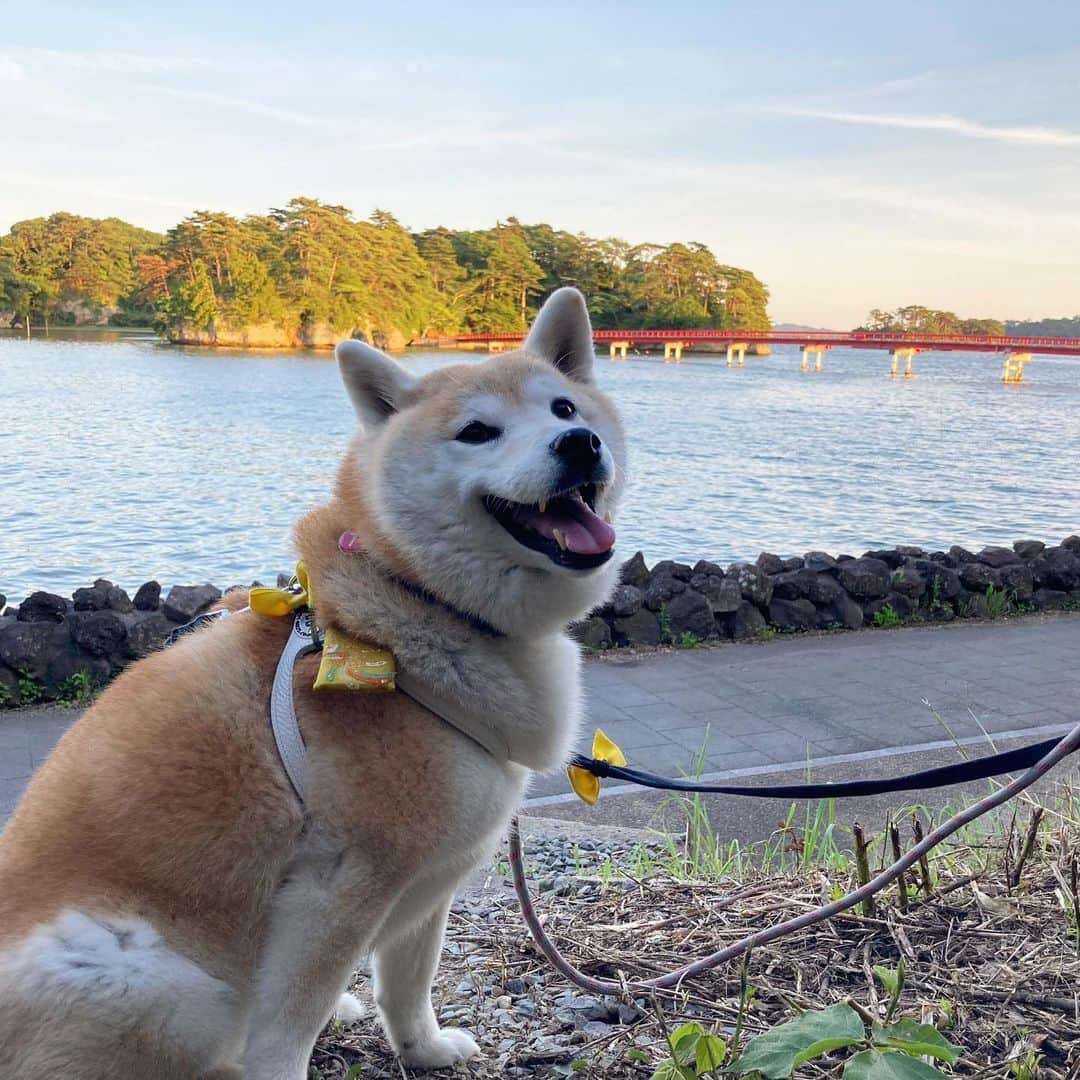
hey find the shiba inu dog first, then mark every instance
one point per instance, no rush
(169, 907)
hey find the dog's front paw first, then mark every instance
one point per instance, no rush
(446, 1047)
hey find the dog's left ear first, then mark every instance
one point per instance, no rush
(377, 385)
(562, 335)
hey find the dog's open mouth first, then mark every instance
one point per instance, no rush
(565, 528)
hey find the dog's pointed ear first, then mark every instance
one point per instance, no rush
(562, 335)
(377, 385)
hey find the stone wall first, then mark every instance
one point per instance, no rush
(54, 648)
(682, 604)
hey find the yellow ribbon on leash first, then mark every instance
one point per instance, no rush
(584, 783)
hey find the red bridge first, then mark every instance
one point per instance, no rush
(1017, 350)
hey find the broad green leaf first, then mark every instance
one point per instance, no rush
(889, 977)
(780, 1051)
(684, 1042)
(669, 1070)
(711, 1052)
(635, 1053)
(354, 1072)
(917, 1039)
(888, 1065)
(579, 1063)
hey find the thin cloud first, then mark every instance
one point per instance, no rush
(315, 121)
(953, 125)
(112, 63)
(10, 70)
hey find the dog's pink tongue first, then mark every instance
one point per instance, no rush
(583, 531)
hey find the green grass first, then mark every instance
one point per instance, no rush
(30, 689)
(998, 602)
(887, 617)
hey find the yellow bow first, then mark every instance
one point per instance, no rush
(280, 602)
(587, 784)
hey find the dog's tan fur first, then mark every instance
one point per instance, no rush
(163, 833)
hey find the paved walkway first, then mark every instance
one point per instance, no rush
(766, 708)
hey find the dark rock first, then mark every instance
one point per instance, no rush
(43, 607)
(1050, 599)
(891, 557)
(69, 662)
(703, 566)
(796, 562)
(641, 628)
(593, 633)
(100, 633)
(911, 552)
(184, 602)
(669, 568)
(1072, 543)
(949, 586)
(908, 581)
(818, 560)
(1028, 549)
(101, 596)
(1062, 569)
(148, 596)
(3, 603)
(771, 564)
(792, 614)
(997, 556)
(845, 611)
(823, 589)
(945, 559)
(979, 576)
(793, 585)
(845, 558)
(625, 600)
(634, 571)
(745, 624)
(27, 646)
(723, 593)
(690, 613)
(146, 633)
(903, 605)
(961, 555)
(864, 578)
(94, 598)
(9, 688)
(1019, 580)
(660, 589)
(754, 584)
(284, 580)
(977, 607)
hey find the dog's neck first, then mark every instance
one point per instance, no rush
(526, 692)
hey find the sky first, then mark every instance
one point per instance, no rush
(853, 155)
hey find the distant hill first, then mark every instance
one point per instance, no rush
(800, 327)
(1063, 327)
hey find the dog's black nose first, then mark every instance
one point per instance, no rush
(579, 448)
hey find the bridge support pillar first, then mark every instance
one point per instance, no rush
(618, 350)
(819, 357)
(908, 356)
(673, 352)
(1013, 371)
(496, 346)
(736, 353)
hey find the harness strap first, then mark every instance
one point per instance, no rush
(283, 722)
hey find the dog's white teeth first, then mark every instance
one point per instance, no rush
(542, 505)
(560, 538)
(607, 516)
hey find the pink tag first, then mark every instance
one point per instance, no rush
(349, 542)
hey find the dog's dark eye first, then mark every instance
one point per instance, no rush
(563, 408)
(476, 432)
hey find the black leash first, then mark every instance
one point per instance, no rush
(942, 776)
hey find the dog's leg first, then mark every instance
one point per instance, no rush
(322, 918)
(405, 965)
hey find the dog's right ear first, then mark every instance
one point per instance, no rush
(378, 386)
